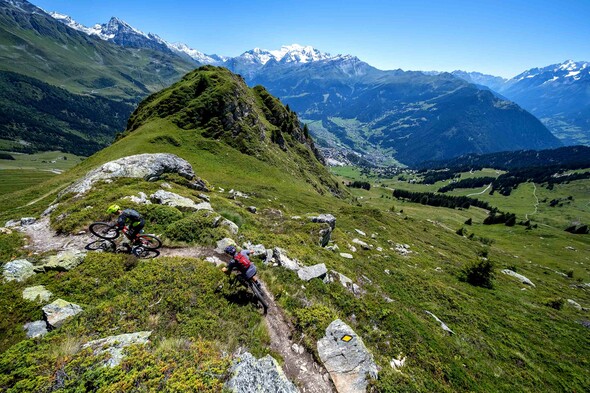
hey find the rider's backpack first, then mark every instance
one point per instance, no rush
(242, 260)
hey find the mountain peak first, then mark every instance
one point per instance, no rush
(294, 53)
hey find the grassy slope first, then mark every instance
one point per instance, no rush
(507, 339)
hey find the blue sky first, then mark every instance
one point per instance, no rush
(498, 37)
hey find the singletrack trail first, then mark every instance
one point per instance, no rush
(536, 203)
(481, 192)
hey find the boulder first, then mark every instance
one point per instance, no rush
(574, 304)
(145, 166)
(280, 256)
(204, 197)
(252, 209)
(36, 329)
(223, 243)
(229, 225)
(49, 210)
(171, 199)
(5, 231)
(59, 311)
(265, 375)
(114, 345)
(64, 260)
(520, 277)
(37, 293)
(361, 243)
(216, 261)
(360, 232)
(333, 248)
(346, 358)
(27, 221)
(140, 199)
(257, 249)
(18, 270)
(327, 218)
(234, 194)
(346, 255)
(341, 278)
(199, 185)
(12, 223)
(306, 273)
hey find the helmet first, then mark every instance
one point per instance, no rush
(231, 250)
(113, 209)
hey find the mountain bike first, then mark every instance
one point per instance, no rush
(143, 246)
(259, 295)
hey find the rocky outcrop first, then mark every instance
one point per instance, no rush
(145, 166)
(18, 270)
(59, 311)
(325, 218)
(520, 277)
(223, 243)
(309, 272)
(346, 358)
(37, 293)
(171, 199)
(361, 243)
(265, 375)
(229, 225)
(114, 345)
(281, 258)
(63, 261)
(140, 199)
(20, 222)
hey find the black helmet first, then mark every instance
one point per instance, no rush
(231, 250)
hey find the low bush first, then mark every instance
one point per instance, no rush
(162, 215)
(480, 273)
(198, 228)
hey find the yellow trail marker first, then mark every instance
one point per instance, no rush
(346, 338)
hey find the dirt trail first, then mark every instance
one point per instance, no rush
(42, 238)
(299, 366)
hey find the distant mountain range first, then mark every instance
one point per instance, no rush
(348, 105)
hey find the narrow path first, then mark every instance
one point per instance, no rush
(41, 197)
(536, 203)
(481, 192)
(300, 366)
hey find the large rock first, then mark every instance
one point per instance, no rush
(346, 358)
(223, 243)
(114, 345)
(145, 166)
(251, 375)
(327, 218)
(18, 270)
(36, 329)
(140, 199)
(280, 256)
(316, 271)
(37, 293)
(361, 243)
(258, 249)
(229, 225)
(520, 277)
(171, 199)
(59, 311)
(64, 260)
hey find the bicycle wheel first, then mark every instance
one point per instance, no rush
(259, 295)
(104, 230)
(146, 253)
(150, 242)
(100, 245)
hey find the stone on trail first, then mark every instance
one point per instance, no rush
(37, 293)
(265, 375)
(63, 261)
(18, 270)
(346, 358)
(520, 277)
(309, 272)
(114, 345)
(59, 311)
(36, 329)
(145, 166)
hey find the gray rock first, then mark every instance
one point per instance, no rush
(327, 218)
(229, 225)
(341, 278)
(280, 256)
(442, 324)
(252, 209)
(316, 271)
(348, 361)
(18, 270)
(37, 293)
(520, 277)
(257, 249)
(346, 255)
(574, 304)
(36, 329)
(265, 375)
(64, 260)
(114, 345)
(216, 261)
(166, 186)
(171, 199)
(49, 210)
(27, 221)
(360, 232)
(204, 197)
(333, 248)
(12, 224)
(146, 166)
(223, 243)
(199, 185)
(59, 311)
(361, 243)
(325, 236)
(237, 194)
(5, 231)
(141, 199)
(269, 257)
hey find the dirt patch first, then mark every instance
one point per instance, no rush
(42, 238)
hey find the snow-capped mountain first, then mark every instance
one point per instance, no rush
(566, 72)
(287, 54)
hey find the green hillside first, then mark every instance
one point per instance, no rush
(505, 338)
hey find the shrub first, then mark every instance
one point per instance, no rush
(480, 274)
(469, 221)
(196, 228)
(314, 320)
(556, 303)
(160, 214)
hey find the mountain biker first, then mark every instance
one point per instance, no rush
(129, 217)
(242, 263)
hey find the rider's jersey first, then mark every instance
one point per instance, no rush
(129, 216)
